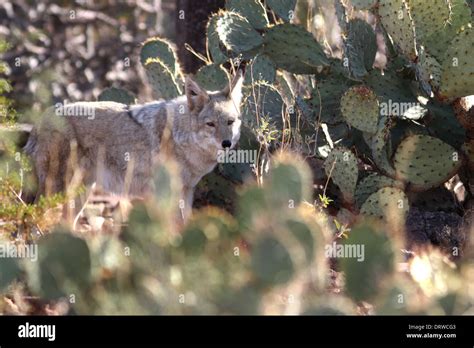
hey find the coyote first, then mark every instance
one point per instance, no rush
(104, 138)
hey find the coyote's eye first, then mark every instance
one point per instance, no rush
(230, 122)
(210, 124)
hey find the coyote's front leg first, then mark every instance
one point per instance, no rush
(186, 202)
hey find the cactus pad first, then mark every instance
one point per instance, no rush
(366, 278)
(261, 69)
(363, 4)
(282, 8)
(212, 77)
(457, 68)
(341, 167)
(360, 47)
(360, 108)
(161, 79)
(253, 10)
(395, 17)
(294, 49)
(117, 95)
(424, 162)
(157, 48)
(371, 184)
(387, 203)
(213, 43)
(236, 33)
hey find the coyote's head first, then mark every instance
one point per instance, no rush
(216, 114)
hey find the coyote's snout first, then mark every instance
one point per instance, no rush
(119, 142)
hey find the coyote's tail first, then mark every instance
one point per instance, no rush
(31, 144)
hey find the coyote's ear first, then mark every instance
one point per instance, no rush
(197, 97)
(234, 89)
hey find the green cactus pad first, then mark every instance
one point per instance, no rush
(371, 184)
(430, 69)
(379, 146)
(260, 69)
(395, 17)
(360, 47)
(271, 262)
(161, 79)
(326, 99)
(282, 8)
(443, 124)
(157, 48)
(63, 266)
(341, 167)
(457, 68)
(253, 10)
(213, 43)
(263, 101)
(212, 77)
(10, 269)
(236, 33)
(424, 162)
(294, 49)
(360, 108)
(290, 182)
(117, 95)
(458, 16)
(388, 203)
(363, 4)
(365, 279)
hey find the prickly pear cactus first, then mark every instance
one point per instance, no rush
(161, 79)
(117, 95)
(388, 203)
(360, 108)
(236, 33)
(424, 162)
(341, 167)
(294, 49)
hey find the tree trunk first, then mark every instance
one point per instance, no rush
(191, 20)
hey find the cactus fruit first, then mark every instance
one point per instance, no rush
(162, 79)
(117, 95)
(341, 167)
(261, 69)
(457, 68)
(388, 203)
(360, 108)
(283, 8)
(253, 10)
(360, 47)
(212, 77)
(294, 49)
(366, 276)
(236, 33)
(396, 19)
(157, 48)
(371, 184)
(424, 162)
